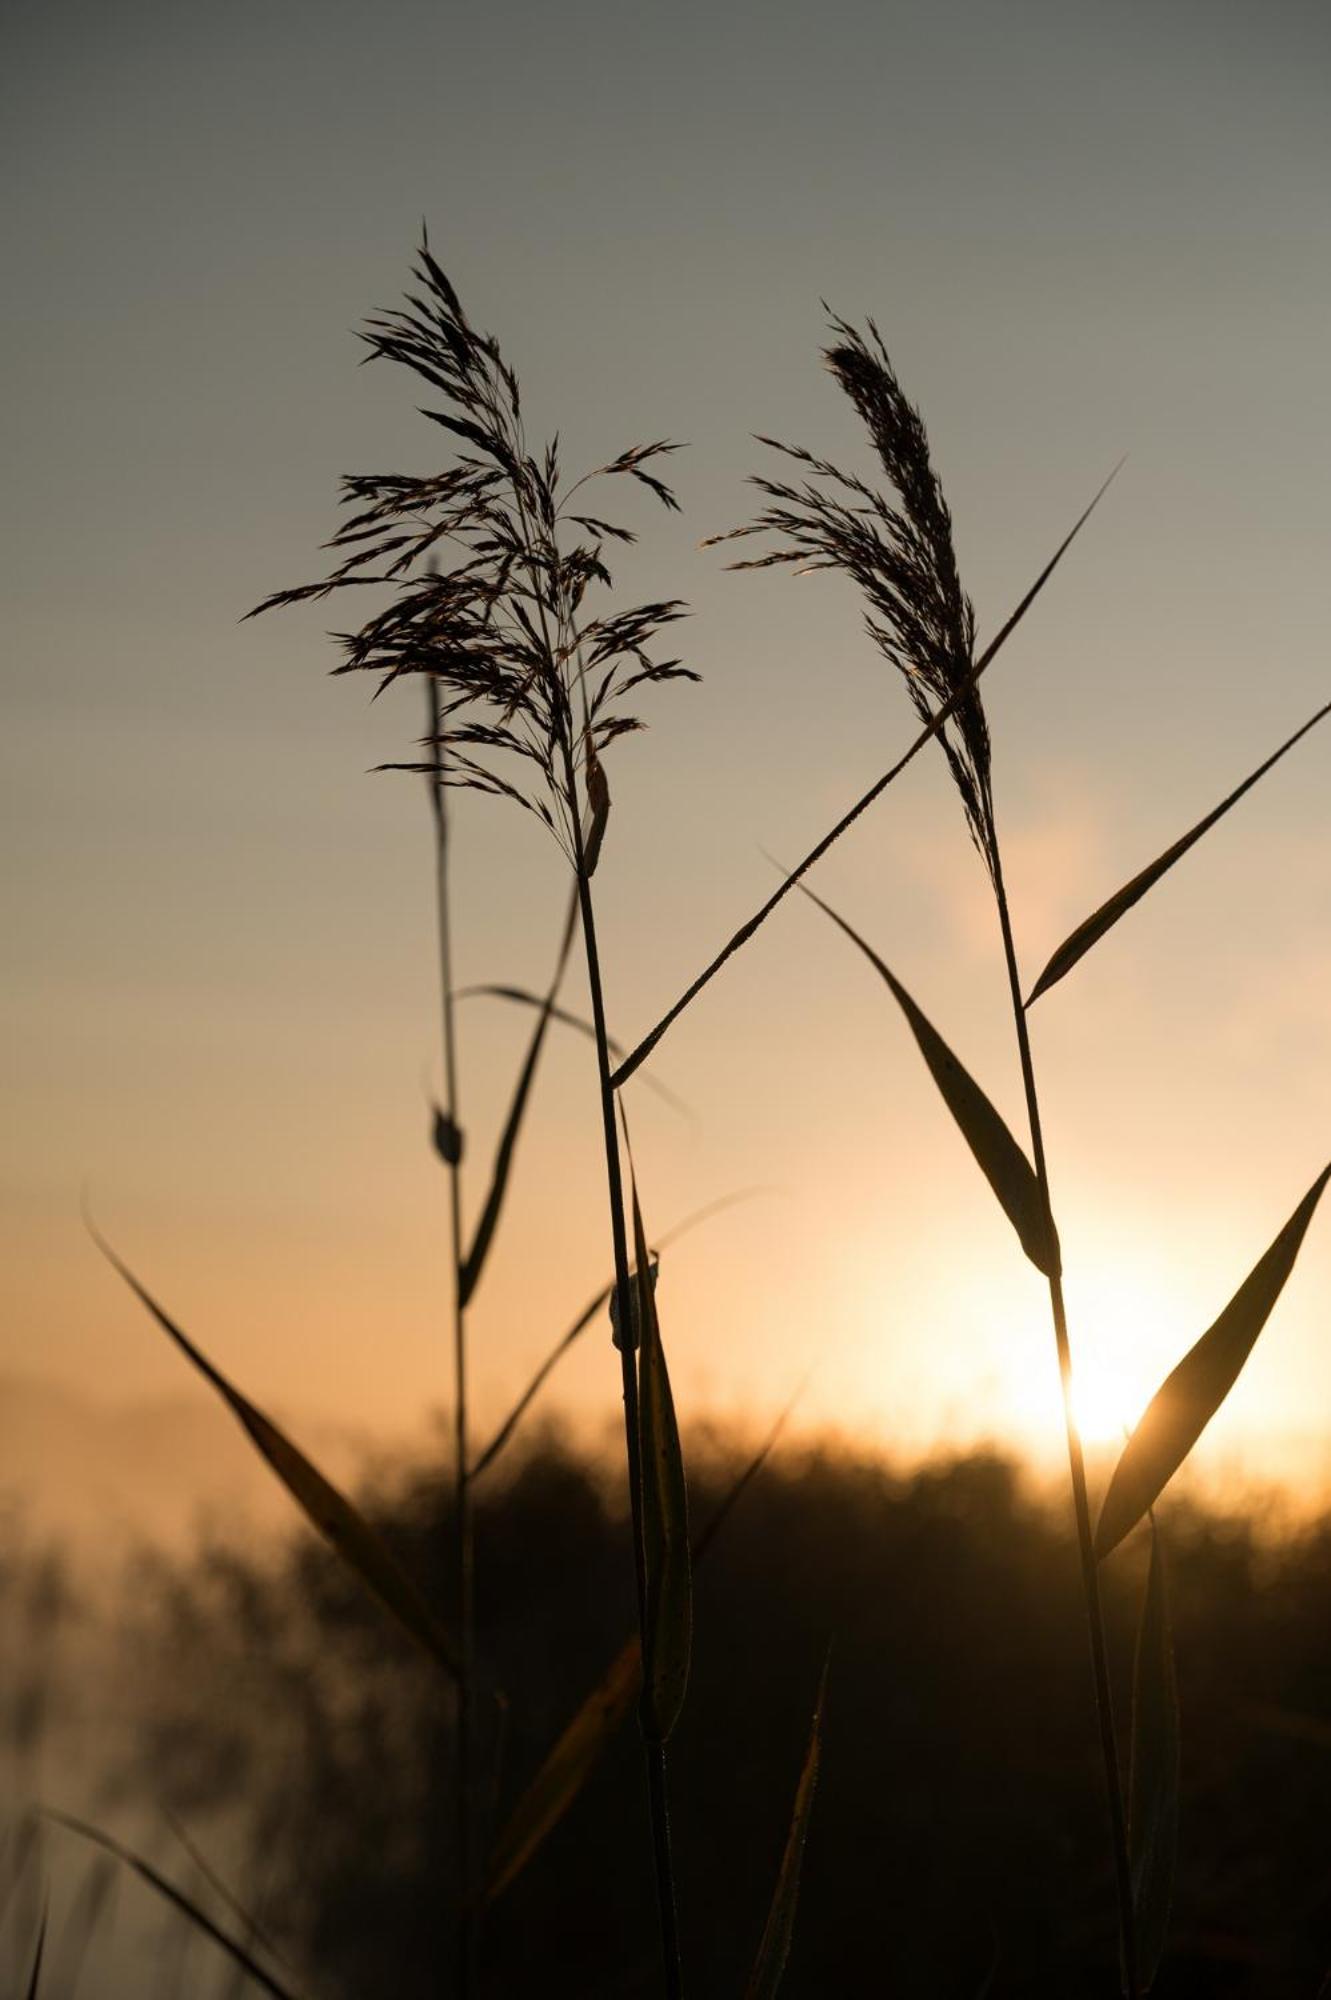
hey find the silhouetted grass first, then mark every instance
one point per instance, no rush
(957, 1847)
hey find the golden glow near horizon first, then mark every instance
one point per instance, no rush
(221, 1011)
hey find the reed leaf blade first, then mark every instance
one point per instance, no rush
(1153, 1797)
(327, 1510)
(253, 1928)
(935, 725)
(999, 1157)
(1187, 1400)
(774, 1947)
(584, 1319)
(566, 1768)
(473, 1263)
(597, 1720)
(665, 1515)
(167, 1889)
(1094, 927)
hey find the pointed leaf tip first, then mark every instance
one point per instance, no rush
(324, 1507)
(1075, 946)
(1187, 1400)
(999, 1157)
(472, 1265)
(778, 1932)
(566, 1769)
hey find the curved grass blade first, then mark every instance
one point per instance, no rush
(219, 1888)
(521, 997)
(774, 1948)
(473, 1263)
(999, 1157)
(168, 1890)
(934, 727)
(665, 1513)
(596, 1722)
(35, 1977)
(1185, 1403)
(565, 1771)
(323, 1506)
(580, 1325)
(1108, 914)
(1153, 1798)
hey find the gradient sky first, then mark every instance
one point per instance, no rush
(1083, 231)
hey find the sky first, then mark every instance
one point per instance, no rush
(1084, 233)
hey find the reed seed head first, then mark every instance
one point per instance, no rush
(492, 576)
(897, 548)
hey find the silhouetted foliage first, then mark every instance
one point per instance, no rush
(957, 1806)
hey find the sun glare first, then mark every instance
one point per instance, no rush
(1106, 1399)
(1128, 1329)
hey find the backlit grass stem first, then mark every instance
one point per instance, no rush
(654, 1751)
(896, 545)
(1090, 1573)
(492, 582)
(464, 1539)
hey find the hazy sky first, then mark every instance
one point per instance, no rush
(1084, 231)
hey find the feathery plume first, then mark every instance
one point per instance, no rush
(898, 549)
(491, 589)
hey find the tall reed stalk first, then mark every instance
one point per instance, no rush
(527, 692)
(898, 549)
(626, 1318)
(449, 1144)
(1090, 1572)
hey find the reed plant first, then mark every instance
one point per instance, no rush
(529, 687)
(896, 547)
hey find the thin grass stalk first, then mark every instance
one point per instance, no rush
(464, 1538)
(654, 1752)
(1090, 1573)
(503, 636)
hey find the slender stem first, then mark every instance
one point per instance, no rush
(653, 1751)
(463, 1549)
(1090, 1573)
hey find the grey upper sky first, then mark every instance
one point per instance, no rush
(1084, 231)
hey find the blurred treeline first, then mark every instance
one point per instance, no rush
(956, 1845)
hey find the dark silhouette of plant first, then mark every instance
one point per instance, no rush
(956, 1823)
(496, 567)
(897, 548)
